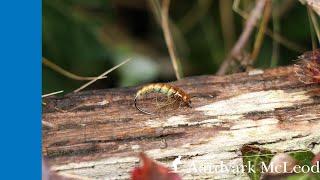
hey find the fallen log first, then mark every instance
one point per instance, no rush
(98, 134)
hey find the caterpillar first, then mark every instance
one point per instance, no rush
(308, 67)
(166, 89)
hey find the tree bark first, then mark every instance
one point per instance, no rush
(98, 134)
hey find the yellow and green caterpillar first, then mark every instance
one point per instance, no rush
(166, 89)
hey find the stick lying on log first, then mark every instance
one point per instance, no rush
(98, 134)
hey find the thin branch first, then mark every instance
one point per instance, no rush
(260, 36)
(235, 7)
(51, 94)
(102, 75)
(156, 10)
(66, 73)
(312, 33)
(179, 40)
(168, 38)
(314, 22)
(244, 37)
(274, 35)
(276, 29)
(227, 23)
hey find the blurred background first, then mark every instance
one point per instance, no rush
(89, 37)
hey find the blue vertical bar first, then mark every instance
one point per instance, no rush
(20, 54)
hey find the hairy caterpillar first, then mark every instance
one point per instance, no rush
(175, 94)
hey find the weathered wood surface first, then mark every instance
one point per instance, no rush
(101, 132)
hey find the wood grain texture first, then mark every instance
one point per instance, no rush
(99, 133)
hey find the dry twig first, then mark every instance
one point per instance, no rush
(51, 94)
(274, 35)
(276, 29)
(312, 30)
(102, 75)
(244, 37)
(260, 36)
(227, 23)
(177, 35)
(169, 39)
(66, 73)
(314, 22)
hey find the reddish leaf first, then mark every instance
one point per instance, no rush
(152, 171)
(316, 159)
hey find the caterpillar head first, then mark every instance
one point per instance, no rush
(187, 100)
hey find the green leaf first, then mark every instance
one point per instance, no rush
(303, 157)
(253, 158)
(302, 177)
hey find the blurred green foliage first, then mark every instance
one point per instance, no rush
(255, 157)
(89, 37)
